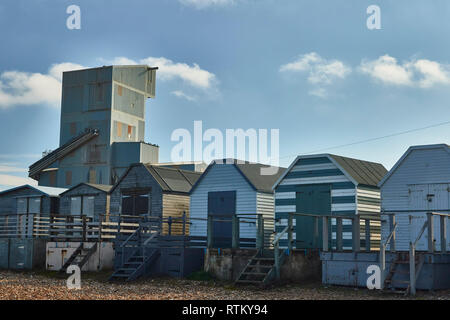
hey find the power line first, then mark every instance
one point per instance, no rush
(373, 139)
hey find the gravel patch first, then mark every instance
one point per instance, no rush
(52, 286)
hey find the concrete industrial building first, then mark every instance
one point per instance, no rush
(102, 127)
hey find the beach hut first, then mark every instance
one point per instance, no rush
(87, 199)
(419, 183)
(230, 188)
(24, 214)
(327, 184)
(152, 191)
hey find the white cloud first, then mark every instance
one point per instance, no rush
(320, 70)
(5, 167)
(24, 88)
(181, 94)
(421, 73)
(169, 70)
(13, 181)
(201, 4)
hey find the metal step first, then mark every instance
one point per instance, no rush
(254, 273)
(250, 282)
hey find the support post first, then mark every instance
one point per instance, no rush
(184, 223)
(260, 236)
(412, 268)
(316, 233)
(443, 234)
(383, 264)
(339, 230)
(430, 232)
(391, 227)
(356, 233)
(209, 237)
(325, 234)
(83, 221)
(367, 236)
(277, 260)
(169, 223)
(235, 232)
(290, 230)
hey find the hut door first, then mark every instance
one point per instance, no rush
(311, 199)
(222, 206)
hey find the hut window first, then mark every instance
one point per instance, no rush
(34, 205)
(75, 205)
(21, 205)
(88, 206)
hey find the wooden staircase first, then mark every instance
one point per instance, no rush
(80, 256)
(260, 270)
(135, 265)
(398, 276)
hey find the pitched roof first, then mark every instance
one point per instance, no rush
(251, 172)
(363, 172)
(49, 191)
(100, 187)
(169, 179)
(446, 147)
(360, 172)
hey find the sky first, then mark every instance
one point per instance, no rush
(312, 69)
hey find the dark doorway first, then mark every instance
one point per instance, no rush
(222, 205)
(311, 199)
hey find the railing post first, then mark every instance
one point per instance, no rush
(83, 221)
(169, 223)
(277, 260)
(391, 227)
(430, 232)
(325, 234)
(339, 242)
(356, 233)
(235, 232)
(260, 235)
(209, 232)
(367, 235)
(443, 228)
(184, 223)
(316, 233)
(290, 231)
(383, 263)
(412, 268)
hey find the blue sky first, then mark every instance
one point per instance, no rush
(311, 69)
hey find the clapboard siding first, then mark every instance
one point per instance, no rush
(174, 206)
(265, 205)
(225, 177)
(424, 165)
(100, 199)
